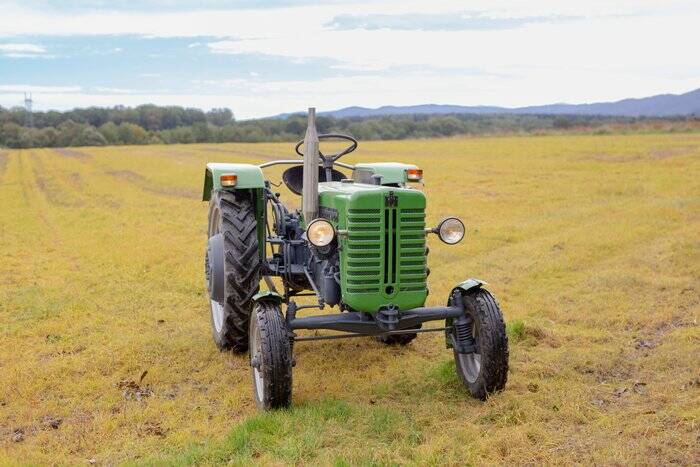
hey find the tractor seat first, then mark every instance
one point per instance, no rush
(293, 177)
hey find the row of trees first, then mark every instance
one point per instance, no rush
(218, 126)
(149, 117)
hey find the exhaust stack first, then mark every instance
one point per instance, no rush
(309, 193)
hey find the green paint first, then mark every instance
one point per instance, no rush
(391, 172)
(382, 258)
(249, 176)
(469, 284)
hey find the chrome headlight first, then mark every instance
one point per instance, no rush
(451, 230)
(320, 232)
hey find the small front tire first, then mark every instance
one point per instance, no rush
(486, 370)
(270, 357)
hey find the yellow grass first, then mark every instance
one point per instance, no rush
(591, 244)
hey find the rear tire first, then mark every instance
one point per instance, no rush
(233, 214)
(485, 371)
(270, 357)
(398, 339)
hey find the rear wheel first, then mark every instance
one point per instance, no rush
(485, 370)
(398, 339)
(233, 216)
(270, 357)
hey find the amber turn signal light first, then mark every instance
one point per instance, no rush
(414, 175)
(228, 180)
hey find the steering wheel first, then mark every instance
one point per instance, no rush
(331, 157)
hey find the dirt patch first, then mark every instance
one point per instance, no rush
(614, 158)
(65, 152)
(126, 174)
(141, 182)
(663, 153)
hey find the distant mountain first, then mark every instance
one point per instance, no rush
(663, 105)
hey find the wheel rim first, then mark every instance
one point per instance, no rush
(256, 356)
(217, 309)
(470, 364)
(217, 315)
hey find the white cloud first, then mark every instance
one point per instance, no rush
(613, 50)
(21, 49)
(19, 88)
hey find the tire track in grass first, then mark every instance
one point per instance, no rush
(72, 153)
(142, 183)
(50, 185)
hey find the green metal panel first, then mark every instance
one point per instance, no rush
(382, 257)
(391, 172)
(469, 284)
(249, 176)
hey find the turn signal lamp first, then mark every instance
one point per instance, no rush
(228, 179)
(414, 175)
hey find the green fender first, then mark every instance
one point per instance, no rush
(468, 285)
(391, 172)
(249, 177)
(268, 295)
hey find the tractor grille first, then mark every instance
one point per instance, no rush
(386, 250)
(364, 251)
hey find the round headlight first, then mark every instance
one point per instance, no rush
(451, 230)
(320, 232)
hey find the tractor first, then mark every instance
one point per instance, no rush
(357, 244)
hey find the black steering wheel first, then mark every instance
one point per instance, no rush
(331, 157)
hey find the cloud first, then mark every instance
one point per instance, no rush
(439, 22)
(18, 88)
(21, 50)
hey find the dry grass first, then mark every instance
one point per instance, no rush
(591, 244)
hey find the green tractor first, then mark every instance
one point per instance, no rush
(357, 243)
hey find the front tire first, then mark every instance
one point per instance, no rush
(233, 215)
(270, 357)
(486, 370)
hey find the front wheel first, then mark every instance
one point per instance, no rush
(484, 370)
(270, 357)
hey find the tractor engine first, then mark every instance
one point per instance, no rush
(378, 260)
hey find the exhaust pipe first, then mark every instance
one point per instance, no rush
(309, 193)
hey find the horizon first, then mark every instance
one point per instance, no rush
(262, 61)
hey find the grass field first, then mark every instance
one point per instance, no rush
(591, 244)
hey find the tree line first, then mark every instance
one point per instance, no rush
(151, 124)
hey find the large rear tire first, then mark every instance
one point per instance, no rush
(398, 339)
(233, 215)
(486, 370)
(270, 357)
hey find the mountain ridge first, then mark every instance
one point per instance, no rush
(660, 105)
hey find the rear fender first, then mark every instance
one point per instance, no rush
(392, 173)
(249, 179)
(249, 176)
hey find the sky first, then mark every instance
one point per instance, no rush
(265, 58)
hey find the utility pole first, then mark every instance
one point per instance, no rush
(28, 109)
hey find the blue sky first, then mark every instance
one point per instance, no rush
(264, 58)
